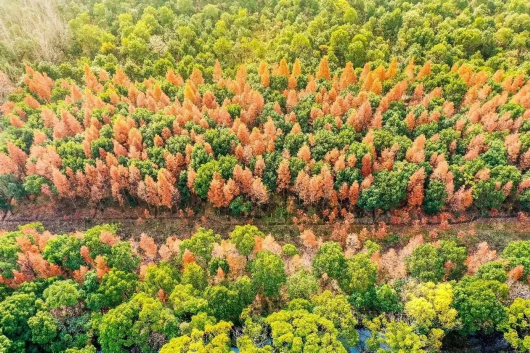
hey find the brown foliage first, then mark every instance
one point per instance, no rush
(415, 191)
(323, 69)
(216, 192)
(148, 245)
(284, 175)
(482, 255)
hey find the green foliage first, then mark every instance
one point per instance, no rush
(15, 312)
(318, 333)
(93, 241)
(8, 254)
(337, 309)
(243, 238)
(486, 196)
(517, 253)
(387, 299)
(492, 271)
(268, 273)
(194, 275)
(239, 207)
(359, 276)
(218, 263)
(10, 189)
(388, 189)
(61, 294)
(201, 245)
(225, 303)
(302, 284)
(185, 301)
(398, 336)
(122, 258)
(64, 250)
(517, 325)
(214, 338)
(163, 276)
(289, 250)
(116, 287)
(479, 304)
(330, 260)
(134, 323)
(43, 327)
(429, 263)
(435, 196)
(430, 306)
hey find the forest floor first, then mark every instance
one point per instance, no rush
(497, 232)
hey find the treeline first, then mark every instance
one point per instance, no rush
(410, 140)
(91, 290)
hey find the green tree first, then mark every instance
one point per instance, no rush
(195, 275)
(330, 260)
(65, 251)
(302, 284)
(186, 301)
(214, 338)
(15, 311)
(435, 196)
(430, 306)
(357, 52)
(360, 275)
(116, 287)
(516, 327)
(398, 336)
(163, 276)
(492, 271)
(184, 6)
(224, 303)
(300, 46)
(10, 189)
(518, 253)
(243, 237)
(122, 258)
(43, 328)
(388, 189)
(428, 263)
(300, 330)
(201, 245)
(337, 309)
(268, 273)
(62, 294)
(8, 254)
(338, 45)
(93, 241)
(137, 322)
(479, 304)
(223, 48)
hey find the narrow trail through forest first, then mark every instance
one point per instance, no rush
(497, 231)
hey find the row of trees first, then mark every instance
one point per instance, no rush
(422, 139)
(91, 290)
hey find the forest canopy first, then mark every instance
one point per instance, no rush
(93, 290)
(410, 110)
(272, 114)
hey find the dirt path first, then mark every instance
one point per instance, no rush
(496, 231)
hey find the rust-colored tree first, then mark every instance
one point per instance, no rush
(323, 69)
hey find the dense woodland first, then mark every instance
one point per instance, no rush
(91, 290)
(406, 109)
(290, 111)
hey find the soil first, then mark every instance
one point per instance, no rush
(132, 223)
